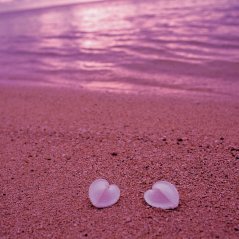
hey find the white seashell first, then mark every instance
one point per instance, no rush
(102, 194)
(163, 195)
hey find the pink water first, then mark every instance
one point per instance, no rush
(128, 46)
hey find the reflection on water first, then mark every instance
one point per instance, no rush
(125, 44)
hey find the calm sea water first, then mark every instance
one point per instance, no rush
(144, 46)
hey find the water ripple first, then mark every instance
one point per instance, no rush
(141, 41)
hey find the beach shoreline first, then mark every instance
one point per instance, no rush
(55, 141)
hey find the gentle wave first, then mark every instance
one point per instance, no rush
(157, 43)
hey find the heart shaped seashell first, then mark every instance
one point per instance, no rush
(102, 194)
(163, 195)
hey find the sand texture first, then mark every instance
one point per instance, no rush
(55, 142)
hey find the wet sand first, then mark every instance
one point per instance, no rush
(55, 142)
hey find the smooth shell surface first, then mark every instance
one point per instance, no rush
(102, 194)
(163, 195)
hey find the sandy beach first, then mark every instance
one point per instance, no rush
(55, 142)
(129, 91)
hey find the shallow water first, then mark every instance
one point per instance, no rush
(142, 46)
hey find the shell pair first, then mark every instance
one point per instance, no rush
(163, 194)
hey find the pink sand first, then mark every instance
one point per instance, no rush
(54, 143)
